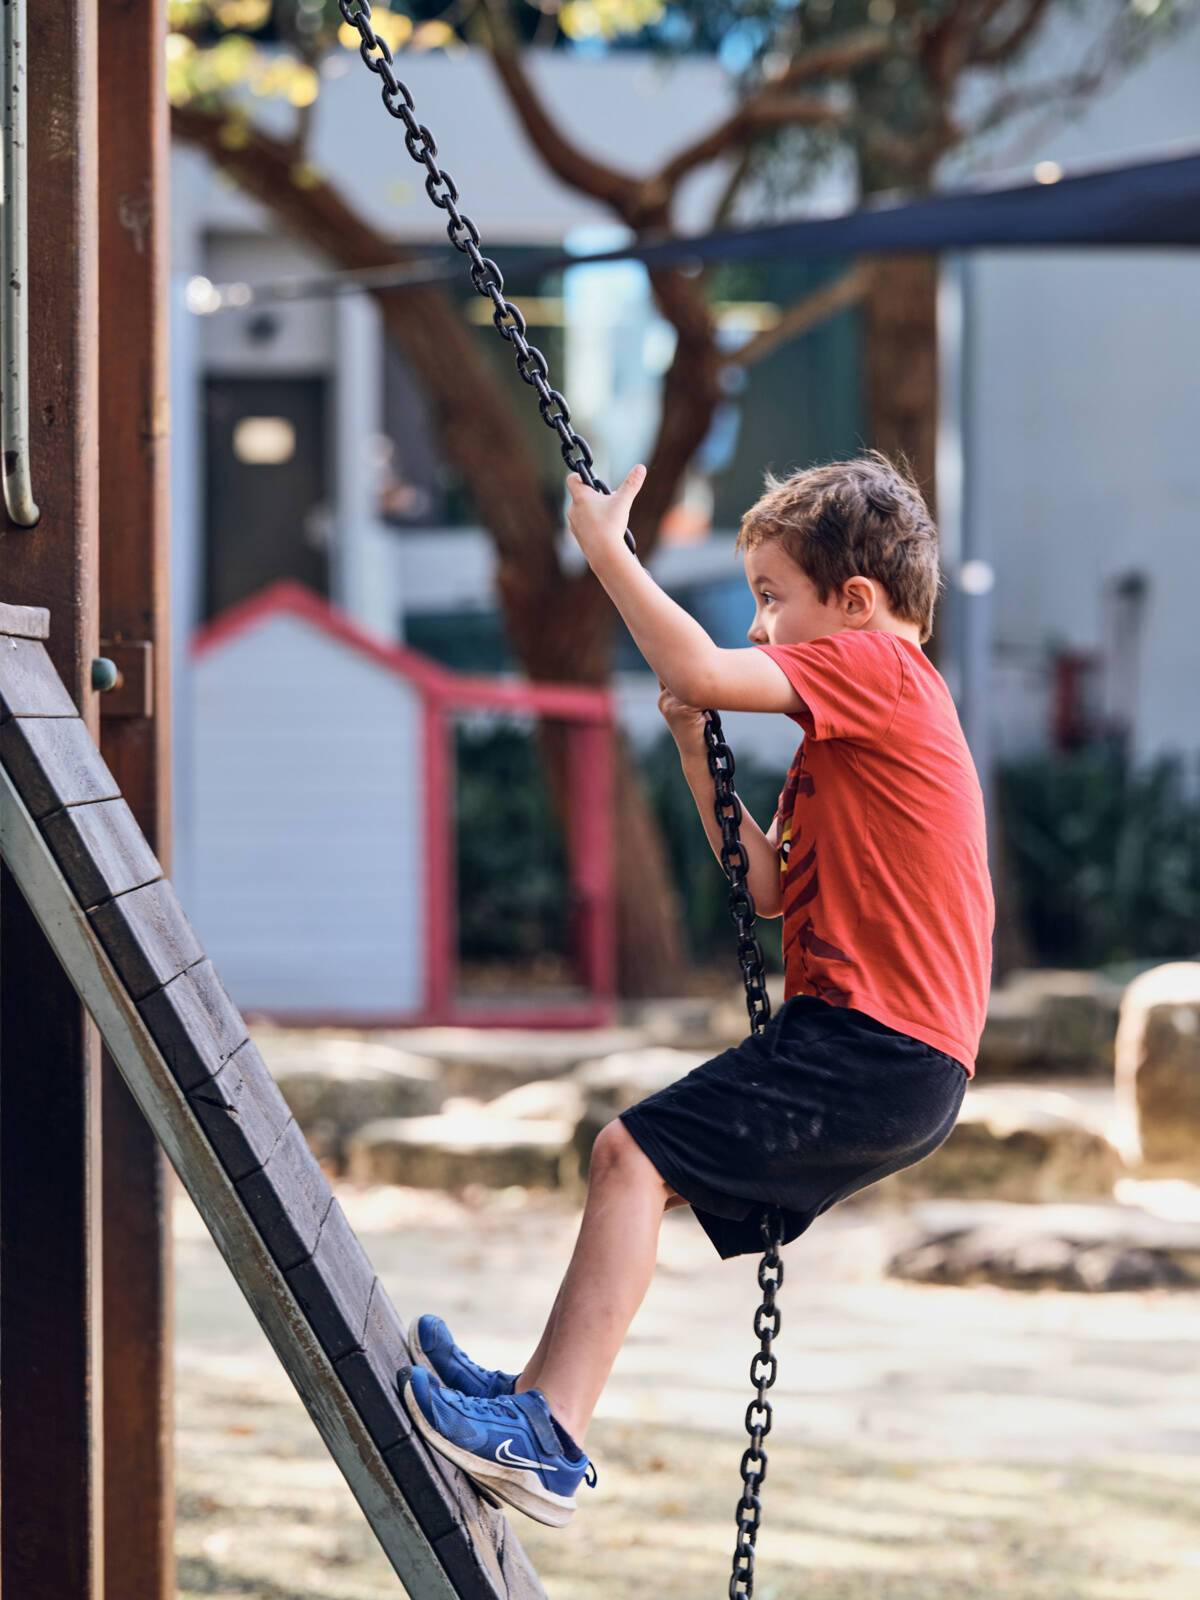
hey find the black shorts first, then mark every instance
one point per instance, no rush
(823, 1102)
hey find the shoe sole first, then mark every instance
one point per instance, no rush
(419, 1359)
(511, 1484)
(417, 1352)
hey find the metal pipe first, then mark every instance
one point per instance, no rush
(14, 272)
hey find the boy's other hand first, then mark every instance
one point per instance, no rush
(685, 722)
(596, 519)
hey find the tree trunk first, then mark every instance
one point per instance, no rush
(901, 370)
(574, 622)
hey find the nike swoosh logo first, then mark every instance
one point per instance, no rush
(504, 1454)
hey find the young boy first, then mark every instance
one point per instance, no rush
(877, 862)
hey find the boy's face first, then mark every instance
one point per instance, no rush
(786, 607)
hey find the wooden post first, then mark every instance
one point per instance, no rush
(51, 1508)
(135, 737)
(590, 845)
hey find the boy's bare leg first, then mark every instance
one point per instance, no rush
(605, 1282)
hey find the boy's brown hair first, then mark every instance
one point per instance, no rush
(865, 517)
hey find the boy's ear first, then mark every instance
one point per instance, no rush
(859, 598)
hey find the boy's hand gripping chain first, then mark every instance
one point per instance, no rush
(535, 370)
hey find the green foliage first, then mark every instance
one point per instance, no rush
(1105, 857)
(513, 894)
(512, 873)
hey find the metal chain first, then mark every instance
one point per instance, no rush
(764, 1367)
(737, 866)
(464, 235)
(533, 367)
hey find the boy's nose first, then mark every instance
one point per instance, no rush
(756, 634)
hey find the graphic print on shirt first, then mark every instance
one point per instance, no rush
(800, 886)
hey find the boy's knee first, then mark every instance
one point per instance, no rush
(617, 1153)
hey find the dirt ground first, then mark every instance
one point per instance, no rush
(929, 1443)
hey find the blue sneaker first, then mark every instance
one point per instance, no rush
(430, 1345)
(509, 1445)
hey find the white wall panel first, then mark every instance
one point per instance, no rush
(308, 823)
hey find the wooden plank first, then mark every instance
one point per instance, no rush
(147, 937)
(334, 1286)
(288, 1199)
(447, 1506)
(24, 622)
(369, 1375)
(242, 1111)
(472, 1537)
(195, 1024)
(101, 850)
(29, 684)
(54, 763)
(163, 1103)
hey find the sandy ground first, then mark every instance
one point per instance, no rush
(929, 1442)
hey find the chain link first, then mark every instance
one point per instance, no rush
(737, 865)
(484, 273)
(764, 1369)
(534, 369)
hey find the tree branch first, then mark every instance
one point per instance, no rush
(841, 58)
(622, 192)
(996, 51)
(1033, 97)
(804, 315)
(757, 116)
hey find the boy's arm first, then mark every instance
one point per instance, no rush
(695, 670)
(762, 876)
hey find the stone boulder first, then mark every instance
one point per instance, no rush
(550, 1099)
(693, 1022)
(1016, 1142)
(612, 1082)
(1050, 1022)
(485, 1063)
(1081, 1247)
(1158, 1070)
(456, 1149)
(334, 1083)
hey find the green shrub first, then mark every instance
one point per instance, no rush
(1105, 857)
(512, 873)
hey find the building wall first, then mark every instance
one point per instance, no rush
(308, 889)
(1080, 390)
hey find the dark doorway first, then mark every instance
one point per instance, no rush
(268, 515)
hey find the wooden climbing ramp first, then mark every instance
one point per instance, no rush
(95, 887)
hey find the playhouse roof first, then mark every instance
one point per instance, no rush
(573, 702)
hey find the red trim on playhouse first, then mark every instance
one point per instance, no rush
(590, 843)
(566, 701)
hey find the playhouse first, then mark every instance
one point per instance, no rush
(321, 835)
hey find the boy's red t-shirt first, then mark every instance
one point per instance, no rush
(887, 897)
